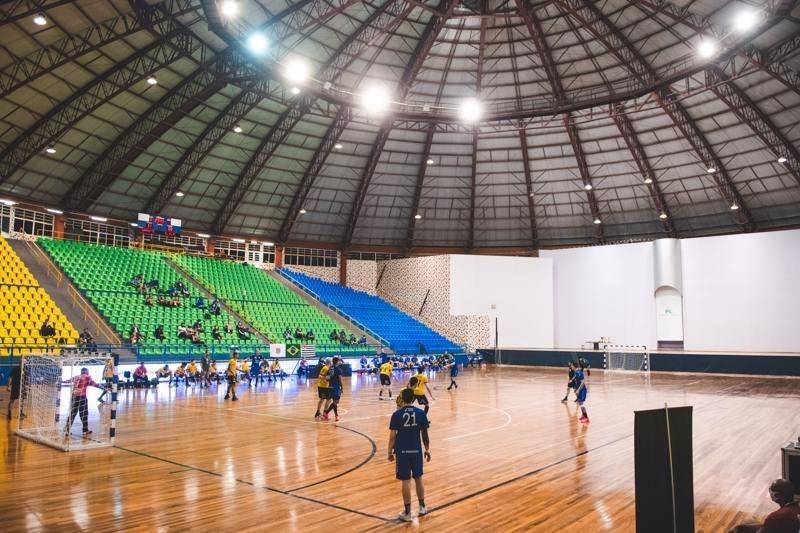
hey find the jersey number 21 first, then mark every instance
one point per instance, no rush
(410, 420)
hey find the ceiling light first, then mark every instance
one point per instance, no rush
(745, 20)
(152, 80)
(267, 243)
(257, 44)
(375, 99)
(99, 219)
(8, 202)
(40, 20)
(296, 71)
(711, 169)
(470, 110)
(662, 216)
(418, 216)
(229, 8)
(295, 90)
(734, 207)
(237, 129)
(707, 49)
(588, 186)
(648, 181)
(782, 159)
(50, 149)
(179, 194)
(55, 211)
(133, 224)
(303, 211)
(237, 240)
(203, 235)
(338, 146)
(597, 221)
(430, 161)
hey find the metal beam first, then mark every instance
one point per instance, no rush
(25, 70)
(586, 178)
(542, 48)
(473, 193)
(432, 30)
(526, 165)
(274, 138)
(175, 41)
(146, 129)
(423, 166)
(9, 14)
(640, 157)
(749, 113)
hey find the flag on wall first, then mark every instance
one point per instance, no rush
(277, 350)
(292, 350)
(308, 350)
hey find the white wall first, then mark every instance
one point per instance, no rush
(604, 291)
(742, 292)
(521, 289)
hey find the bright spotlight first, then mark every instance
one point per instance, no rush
(295, 90)
(151, 80)
(418, 216)
(303, 211)
(179, 194)
(588, 186)
(662, 216)
(707, 49)
(237, 129)
(50, 149)
(470, 110)
(782, 159)
(40, 20)
(257, 44)
(296, 72)
(745, 20)
(711, 169)
(430, 161)
(375, 99)
(597, 221)
(734, 207)
(338, 146)
(648, 181)
(229, 8)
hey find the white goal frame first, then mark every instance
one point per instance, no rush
(43, 418)
(626, 358)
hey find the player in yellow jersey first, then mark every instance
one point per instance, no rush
(192, 372)
(420, 388)
(386, 378)
(323, 387)
(231, 374)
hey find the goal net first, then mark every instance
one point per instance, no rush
(56, 407)
(625, 358)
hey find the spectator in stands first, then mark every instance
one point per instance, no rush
(161, 300)
(148, 300)
(214, 307)
(334, 336)
(228, 327)
(159, 333)
(352, 341)
(140, 375)
(183, 331)
(196, 339)
(136, 280)
(176, 302)
(343, 337)
(785, 519)
(200, 303)
(172, 291)
(198, 326)
(153, 284)
(243, 331)
(135, 334)
(363, 340)
(298, 333)
(310, 337)
(86, 341)
(287, 334)
(216, 334)
(47, 329)
(164, 372)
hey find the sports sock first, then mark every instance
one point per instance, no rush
(335, 410)
(422, 503)
(583, 410)
(407, 508)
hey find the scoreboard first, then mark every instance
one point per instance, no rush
(157, 225)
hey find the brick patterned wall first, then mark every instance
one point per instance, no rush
(405, 283)
(362, 275)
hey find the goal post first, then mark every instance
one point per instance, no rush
(626, 358)
(49, 409)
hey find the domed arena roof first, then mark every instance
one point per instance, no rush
(408, 123)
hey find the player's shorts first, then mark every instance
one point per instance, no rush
(421, 399)
(408, 465)
(582, 395)
(385, 380)
(324, 393)
(231, 379)
(335, 393)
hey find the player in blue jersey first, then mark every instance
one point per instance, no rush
(409, 426)
(453, 375)
(335, 377)
(579, 384)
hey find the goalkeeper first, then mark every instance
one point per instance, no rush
(79, 404)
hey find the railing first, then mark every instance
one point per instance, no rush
(38, 254)
(341, 313)
(90, 314)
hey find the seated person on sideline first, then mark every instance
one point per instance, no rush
(192, 370)
(164, 372)
(310, 335)
(140, 376)
(159, 333)
(215, 332)
(785, 519)
(275, 369)
(180, 373)
(287, 334)
(302, 368)
(213, 372)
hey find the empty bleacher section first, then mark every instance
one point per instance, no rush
(25, 306)
(264, 302)
(400, 330)
(103, 273)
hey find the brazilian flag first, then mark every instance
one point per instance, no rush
(293, 350)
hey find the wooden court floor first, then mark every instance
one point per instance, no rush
(507, 456)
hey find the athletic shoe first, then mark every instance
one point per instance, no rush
(325, 417)
(87, 433)
(564, 399)
(227, 397)
(584, 420)
(405, 517)
(337, 418)
(317, 416)
(423, 510)
(234, 399)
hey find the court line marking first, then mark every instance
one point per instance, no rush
(251, 484)
(507, 422)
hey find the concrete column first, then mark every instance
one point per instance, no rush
(278, 256)
(668, 285)
(58, 226)
(342, 268)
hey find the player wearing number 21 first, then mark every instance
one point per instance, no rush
(409, 426)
